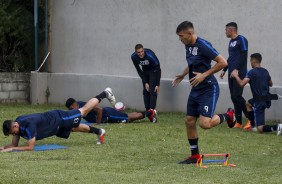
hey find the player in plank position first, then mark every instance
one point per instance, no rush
(56, 122)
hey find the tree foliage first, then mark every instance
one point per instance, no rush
(17, 34)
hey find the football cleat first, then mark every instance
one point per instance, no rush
(101, 137)
(279, 129)
(231, 113)
(237, 125)
(110, 96)
(191, 160)
(153, 117)
(248, 125)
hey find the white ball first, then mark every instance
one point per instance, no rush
(119, 106)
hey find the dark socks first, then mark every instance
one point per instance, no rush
(251, 117)
(101, 96)
(225, 117)
(94, 130)
(269, 128)
(194, 146)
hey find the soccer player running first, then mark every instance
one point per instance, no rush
(238, 53)
(150, 74)
(260, 81)
(107, 114)
(205, 91)
(56, 122)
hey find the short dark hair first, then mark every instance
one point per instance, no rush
(232, 24)
(183, 26)
(69, 102)
(138, 46)
(256, 56)
(7, 125)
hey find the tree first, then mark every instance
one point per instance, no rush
(17, 35)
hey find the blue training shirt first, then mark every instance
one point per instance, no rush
(39, 125)
(199, 57)
(148, 63)
(259, 81)
(236, 60)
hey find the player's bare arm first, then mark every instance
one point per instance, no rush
(222, 74)
(200, 77)
(99, 112)
(15, 142)
(270, 83)
(15, 147)
(235, 74)
(180, 77)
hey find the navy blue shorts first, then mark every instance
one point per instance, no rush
(70, 119)
(114, 116)
(259, 110)
(203, 101)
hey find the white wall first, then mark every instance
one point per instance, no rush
(61, 86)
(92, 40)
(98, 36)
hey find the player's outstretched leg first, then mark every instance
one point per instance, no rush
(89, 129)
(136, 116)
(93, 102)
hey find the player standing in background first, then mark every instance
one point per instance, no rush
(205, 91)
(150, 74)
(260, 81)
(238, 53)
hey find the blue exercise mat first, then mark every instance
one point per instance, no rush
(48, 147)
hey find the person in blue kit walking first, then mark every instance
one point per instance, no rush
(260, 81)
(238, 53)
(205, 91)
(148, 68)
(107, 114)
(38, 126)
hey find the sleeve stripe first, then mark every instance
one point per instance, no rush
(71, 117)
(211, 48)
(28, 134)
(152, 57)
(244, 43)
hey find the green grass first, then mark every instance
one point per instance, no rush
(141, 152)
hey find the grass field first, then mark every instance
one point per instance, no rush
(141, 152)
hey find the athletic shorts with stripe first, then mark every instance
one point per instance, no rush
(70, 119)
(203, 101)
(259, 110)
(114, 116)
